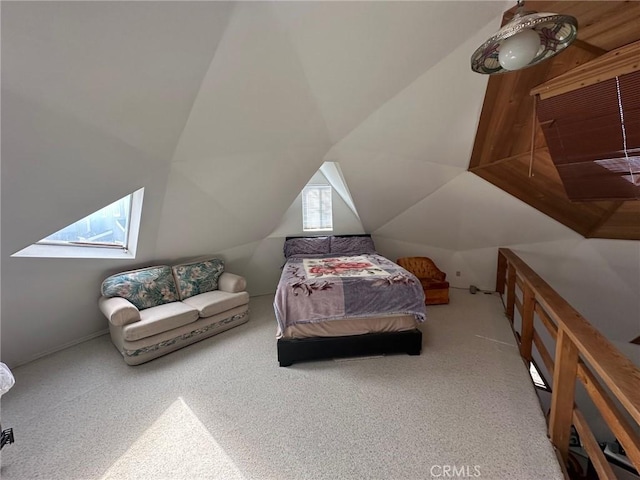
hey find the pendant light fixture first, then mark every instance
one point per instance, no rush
(527, 39)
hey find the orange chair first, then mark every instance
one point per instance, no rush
(433, 280)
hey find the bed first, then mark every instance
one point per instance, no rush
(338, 297)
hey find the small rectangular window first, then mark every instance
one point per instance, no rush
(317, 211)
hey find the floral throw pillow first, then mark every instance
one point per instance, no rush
(145, 288)
(198, 277)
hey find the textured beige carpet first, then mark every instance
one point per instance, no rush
(222, 408)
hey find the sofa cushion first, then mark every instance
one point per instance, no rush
(160, 319)
(198, 277)
(145, 288)
(211, 303)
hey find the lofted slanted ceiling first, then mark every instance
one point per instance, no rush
(503, 153)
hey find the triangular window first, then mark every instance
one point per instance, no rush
(108, 227)
(114, 227)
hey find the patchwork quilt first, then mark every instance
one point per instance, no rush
(332, 288)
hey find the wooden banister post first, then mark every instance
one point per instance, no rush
(511, 291)
(526, 337)
(502, 273)
(562, 397)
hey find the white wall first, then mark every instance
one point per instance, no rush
(600, 278)
(51, 302)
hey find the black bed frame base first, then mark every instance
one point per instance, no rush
(291, 351)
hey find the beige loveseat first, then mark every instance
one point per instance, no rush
(156, 310)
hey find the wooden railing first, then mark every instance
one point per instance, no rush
(581, 352)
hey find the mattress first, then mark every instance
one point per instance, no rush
(351, 326)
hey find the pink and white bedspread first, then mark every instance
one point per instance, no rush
(326, 288)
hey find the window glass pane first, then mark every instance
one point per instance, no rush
(107, 226)
(317, 211)
(538, 381)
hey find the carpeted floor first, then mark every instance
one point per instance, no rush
(222, 408)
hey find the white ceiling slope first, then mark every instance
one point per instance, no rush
(383, 185)
(358, 55)
(289, 79)
(434, 118)
(131, 69)
(254, 97)
(468, 213)
(417, 141)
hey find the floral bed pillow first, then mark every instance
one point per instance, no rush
(352, 245)
(145, 288)
(198, 277)
(307, 246)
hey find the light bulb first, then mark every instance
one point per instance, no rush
(518, 51)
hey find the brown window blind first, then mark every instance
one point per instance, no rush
(586, 140)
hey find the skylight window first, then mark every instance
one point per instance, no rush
(317, 212)
(592, 136)
(111, 232)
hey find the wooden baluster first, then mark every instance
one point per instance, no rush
(526, 337)
(619, 426)
(511, 291)
(597, 458)
(502, 273)
(562, 398)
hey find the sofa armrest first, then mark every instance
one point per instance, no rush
(231, 283)
(119, 311)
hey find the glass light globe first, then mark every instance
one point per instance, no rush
(518, 51)
(6, 380)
